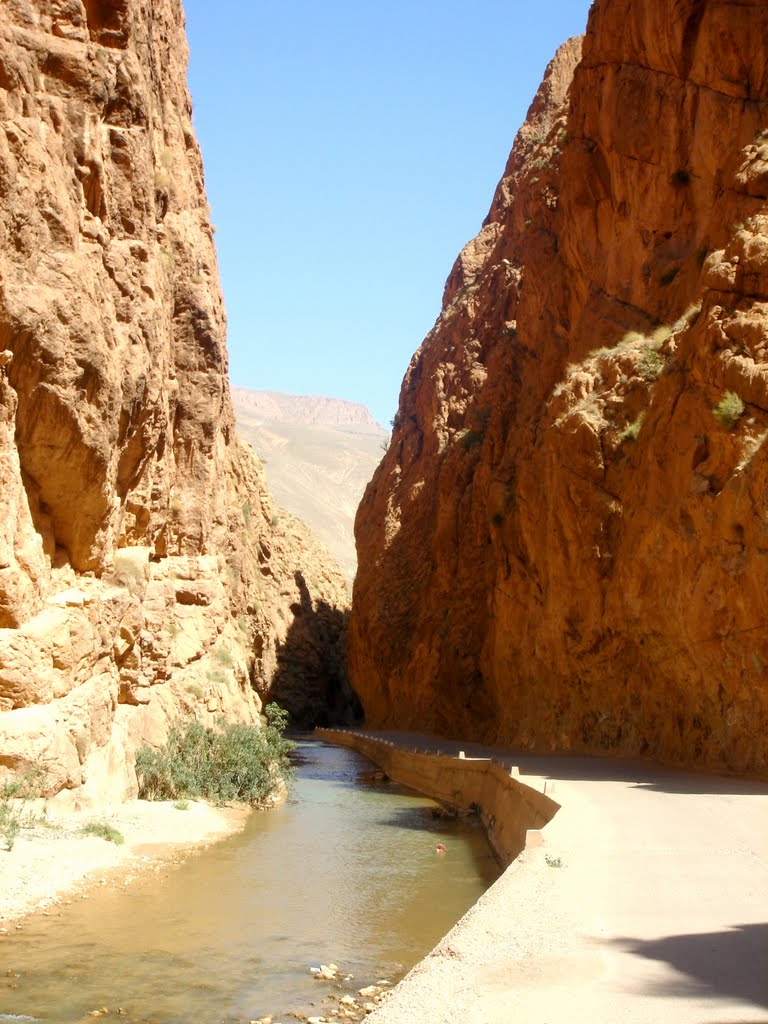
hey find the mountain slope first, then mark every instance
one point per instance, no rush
(319, 454)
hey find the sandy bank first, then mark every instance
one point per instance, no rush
(51, 862)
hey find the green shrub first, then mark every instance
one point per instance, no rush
(14, 797)
(10, 826)
(102, 830)
(728, 410)
(652, 365)
(231, 761)
(632, 430)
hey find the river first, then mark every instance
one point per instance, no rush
(347, 871)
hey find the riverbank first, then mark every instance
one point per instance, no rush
(643, 899)
(512, 811)
(347, 872)
(54, 862)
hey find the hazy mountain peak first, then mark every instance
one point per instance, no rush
(319, 453)
(316, 410)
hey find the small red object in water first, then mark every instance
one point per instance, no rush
(440, 848)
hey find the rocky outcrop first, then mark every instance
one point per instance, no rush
(143, 568)
(565, 545)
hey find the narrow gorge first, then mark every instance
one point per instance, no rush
(558, 629)
(565, 546)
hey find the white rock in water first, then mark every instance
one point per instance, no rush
(369, 990)
(325, 972)
(348, 1001)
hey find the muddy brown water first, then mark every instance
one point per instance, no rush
(345, 872)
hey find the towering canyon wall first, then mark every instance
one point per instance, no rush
(564, 547)
(143, 568)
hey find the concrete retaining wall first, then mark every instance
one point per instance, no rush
(509, 808)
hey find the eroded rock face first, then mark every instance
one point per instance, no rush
(143, 570)
(564, 548)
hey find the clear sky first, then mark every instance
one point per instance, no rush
(351, 148)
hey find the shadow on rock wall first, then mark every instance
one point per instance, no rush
(311, 680)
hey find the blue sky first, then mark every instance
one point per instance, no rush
(351, 148)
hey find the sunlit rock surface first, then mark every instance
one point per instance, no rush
(144, 570)
(564, 547)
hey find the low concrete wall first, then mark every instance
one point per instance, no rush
(509, 808)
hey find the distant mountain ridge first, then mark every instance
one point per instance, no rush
(304, 409)
(318, 453)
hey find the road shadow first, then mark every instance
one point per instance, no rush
(726, 965)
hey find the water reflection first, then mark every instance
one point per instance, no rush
(346, 872)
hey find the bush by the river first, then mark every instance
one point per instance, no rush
(15, 796)
(229, 761)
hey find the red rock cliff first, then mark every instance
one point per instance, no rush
(565, 547)
(143, 568)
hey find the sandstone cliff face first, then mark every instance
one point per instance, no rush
(564, 548)
(143, 567)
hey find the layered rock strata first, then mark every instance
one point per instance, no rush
(144, 570)
(565, 544)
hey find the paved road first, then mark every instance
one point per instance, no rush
(658, 914)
